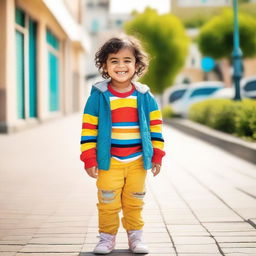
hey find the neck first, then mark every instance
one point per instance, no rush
(121, 87)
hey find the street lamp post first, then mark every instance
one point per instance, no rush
(237, 55)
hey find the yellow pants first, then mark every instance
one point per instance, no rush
(121, 187)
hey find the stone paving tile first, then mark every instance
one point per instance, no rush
(234, 233)
(48, 254)
(8, 253)
(59, 235)
(231, 239)
(9, 248)
(200, 254)
(56, 240)
(61, 230)
(205, 248)
(51, 248)
(228, 226)
(237, 244)
(192, 240)
(242, 251)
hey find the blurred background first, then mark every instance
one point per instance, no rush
(202, 72)
(48, 47)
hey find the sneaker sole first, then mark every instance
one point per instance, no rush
(139, 251)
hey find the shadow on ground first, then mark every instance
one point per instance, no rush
(119, 252)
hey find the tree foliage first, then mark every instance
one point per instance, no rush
(216, 36)
(164, 38)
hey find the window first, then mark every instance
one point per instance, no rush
(26, 39)
(203, 91)
(176, 95)
(250, 86)
(53, 70)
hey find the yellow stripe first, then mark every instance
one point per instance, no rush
(87, 118)
(116, 130)
(87, 146)
(121, 103)
(158, 144)
(155, 115)
(89, 132)
(125, 136)
(156, 128)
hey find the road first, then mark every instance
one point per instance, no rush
(202, 202)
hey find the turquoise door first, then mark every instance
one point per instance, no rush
(20, 75)
(26, 103)
(53, 71)
(32, 70)
(53, 82)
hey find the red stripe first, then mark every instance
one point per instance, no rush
(126, 114)
(125, 151)
(155, 122)
(89, 126)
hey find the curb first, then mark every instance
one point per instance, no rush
(234, 145)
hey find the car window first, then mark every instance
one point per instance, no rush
(250, 86)
(176, 95)
(203, 91)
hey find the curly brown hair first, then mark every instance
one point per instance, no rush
(113, 45)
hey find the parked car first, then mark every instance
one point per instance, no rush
(248, 87)
(247, 90)
(224, 93)
(195, 92)
(174, 93)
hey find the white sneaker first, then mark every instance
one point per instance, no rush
(106, 244)
(136, 244)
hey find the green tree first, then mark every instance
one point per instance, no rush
(164, 38)
(216, 36)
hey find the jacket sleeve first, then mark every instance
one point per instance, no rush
(89, 133)
(156, 131)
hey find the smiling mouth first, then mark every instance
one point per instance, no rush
(121, 73)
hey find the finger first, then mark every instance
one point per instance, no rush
(153, 169)
(91, 173)
(95, 172)
(156, 172)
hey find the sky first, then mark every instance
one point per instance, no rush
(126, 6)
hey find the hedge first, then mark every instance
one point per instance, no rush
(234, 117)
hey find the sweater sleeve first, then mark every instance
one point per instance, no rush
(156, 132)
(89, 134)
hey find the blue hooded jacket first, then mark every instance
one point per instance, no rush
(98, 104)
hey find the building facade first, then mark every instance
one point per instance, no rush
(41, 61)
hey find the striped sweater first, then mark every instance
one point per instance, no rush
(126, 143)
(125, 139)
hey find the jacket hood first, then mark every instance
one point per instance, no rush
(103, 86)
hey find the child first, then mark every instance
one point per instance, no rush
(121, 140)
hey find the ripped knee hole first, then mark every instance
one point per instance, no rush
(107, 196)
(139, 195)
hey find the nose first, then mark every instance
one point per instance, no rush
(121, 64)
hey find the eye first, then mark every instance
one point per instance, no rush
(127, 61)
(114, 61)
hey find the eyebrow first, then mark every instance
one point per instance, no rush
(114, 58)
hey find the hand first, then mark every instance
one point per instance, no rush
(155, 168)
(92, 171)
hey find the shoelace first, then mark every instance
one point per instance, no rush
(135, 239)
(105, 240)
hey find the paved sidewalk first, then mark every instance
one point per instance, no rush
(202, 203)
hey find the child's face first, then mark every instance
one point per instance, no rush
(121, 66)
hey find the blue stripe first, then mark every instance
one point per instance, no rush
(130, 156)
(114, 141)
(156, 134)
(83, 138)
(125, 124)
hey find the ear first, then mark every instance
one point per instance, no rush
(104, 66)
(136, 67)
